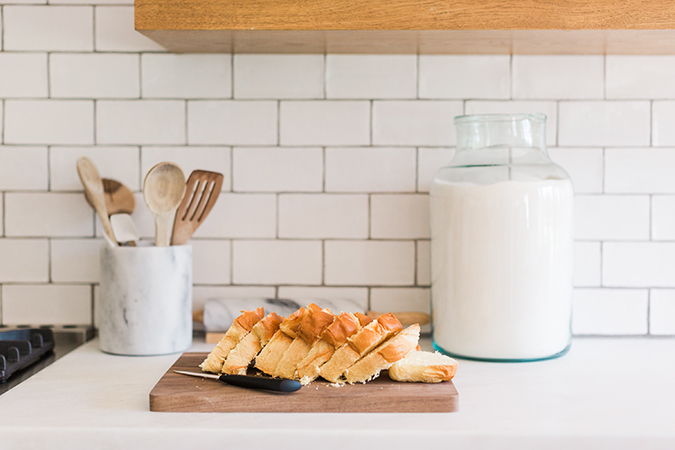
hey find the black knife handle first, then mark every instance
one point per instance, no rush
(271, 384)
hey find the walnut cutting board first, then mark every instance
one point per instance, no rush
(180, 393)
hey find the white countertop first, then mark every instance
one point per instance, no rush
(606, 393)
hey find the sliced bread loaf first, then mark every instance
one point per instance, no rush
(424, 367)
(240, 357)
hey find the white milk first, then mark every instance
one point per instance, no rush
(501, 262)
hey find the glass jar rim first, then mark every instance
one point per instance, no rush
(486, 118)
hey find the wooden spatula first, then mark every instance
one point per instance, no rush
(203, 189)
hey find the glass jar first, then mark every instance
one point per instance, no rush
(501, 244)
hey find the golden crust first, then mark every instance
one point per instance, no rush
(363, 319)
(266, 328)
(418, 367)
(313, 324)
(344, 326)
(291, 323)
(248, 319)
(389, 322)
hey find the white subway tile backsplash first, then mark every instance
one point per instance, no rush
(371, 76)
(47, 215)
(210, 261)
(275, 169)
(423, 263)
(663, 217)
(370, 170)
(402, 216)
(49, 122)
(611, 217)
(46, 304)
(23, 75)
(306, 294)
(662, 311)
(23, 168)
(264, 76)
(214, 159)
(587, 264)
(277, 262)
(363, 263)
(583, 165)
(663, 115)
(76, 260)
(24, 2)
(118, 163)
(92, 2)
(2, 216)
(464, 76)
(639, 170)
(140, 122)
(201, 293)
(519, 107)
(241, 216)
(638, 264)
(324, 123)
(115, 31)
(400, 300)
(429, 160)
(323, 216)
(558, 76)
(598, 123)
(640, 76)
(610, 311)
(420, 122)
(24, 260)
(232, 122)
(48, 28)
(94, 75)
(186, 76)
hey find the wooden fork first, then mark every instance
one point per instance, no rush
(201, 193)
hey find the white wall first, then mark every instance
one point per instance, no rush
(327, 163)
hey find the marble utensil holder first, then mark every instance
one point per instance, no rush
(145, 300)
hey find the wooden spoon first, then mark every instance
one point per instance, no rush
(118, 198)
(163, 189)
(203, 189)
(93, 187)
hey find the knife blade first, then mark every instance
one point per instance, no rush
(270, 384)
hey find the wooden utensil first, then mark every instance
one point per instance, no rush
(93, 188)
(118, 198)
(163, 190)
(203, 189)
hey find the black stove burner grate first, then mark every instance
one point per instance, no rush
(21, 348)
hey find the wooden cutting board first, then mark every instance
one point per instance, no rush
(181, 393)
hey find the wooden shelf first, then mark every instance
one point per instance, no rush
(410, 26)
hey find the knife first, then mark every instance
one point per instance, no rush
(270, 384)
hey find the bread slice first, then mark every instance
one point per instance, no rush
(271, 354)
(384, 356)
(241, 326)
(424, 367)
(240, 357)
(360, 344)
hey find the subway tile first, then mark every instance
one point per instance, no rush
(93, 75)
(662, 124)
(549, 109)
(587, 264)
(118, 163)
(49, 122)
(275, 169)
(371, 76)
(214, 159)
(23, 75)
(46, 304)
(232, 123)
(48, 28)
(210, 261)
(76, 260)
(370, 169)
(2, 216)
(186, 75)
(140, 122)
(24, 2)
(307, 294)
(429, 160)
(241, 216)
(399, 216)
(400, 300)
(47, 214)
(142, 217)
(202, 293)
(611, 217)
(663, 217)
(416, 122)
(423, 263)
(558, 76)
(640, 76)
(325, 123)
(370, 263)
(323, 216)
(662, 312)
(23, 168)
(583, 165)
(266, 76)
(24, 260)
(639, 170)
(115, 31)
(92, 2)
(610, 311)
(638, 264)
(609, 123)
(276, 262)
(464, 76)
